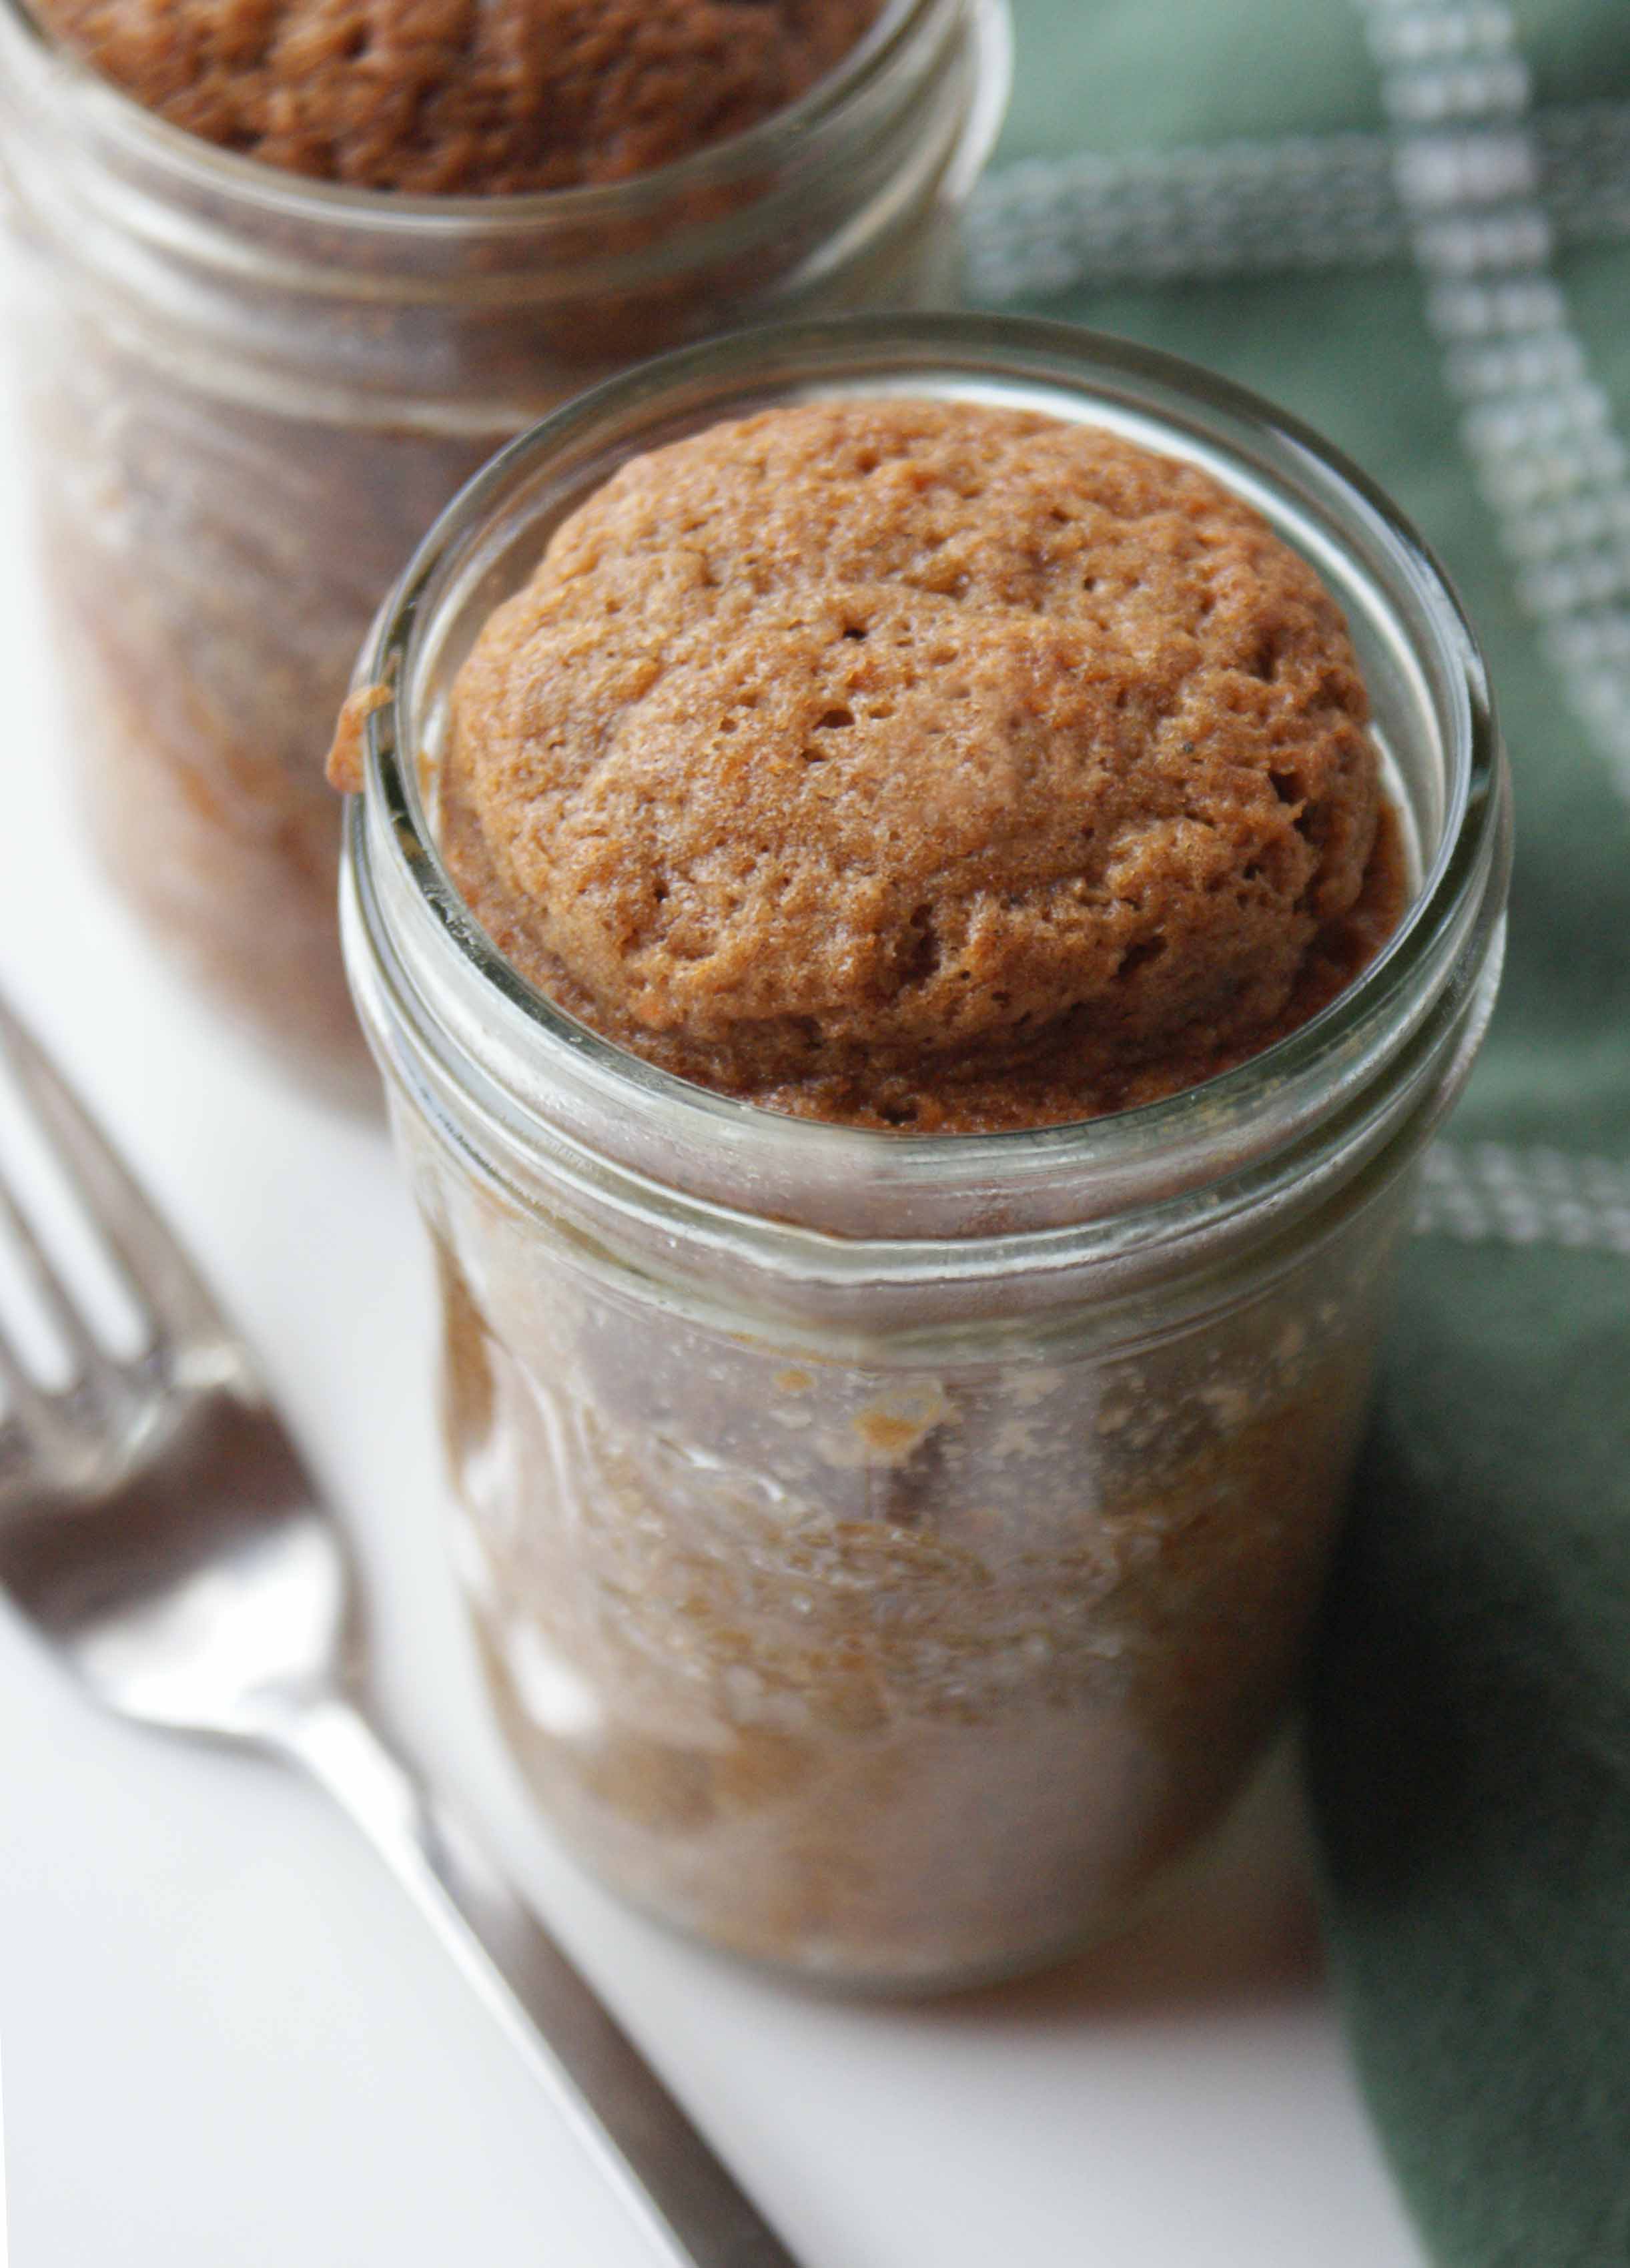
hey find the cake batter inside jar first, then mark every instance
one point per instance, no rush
(916, 932)
(291, 273)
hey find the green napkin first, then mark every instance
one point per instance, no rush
(1295, 196)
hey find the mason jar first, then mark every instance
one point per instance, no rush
(248, 393)
(888, 1552)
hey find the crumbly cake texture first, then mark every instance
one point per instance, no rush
(923, 764)
(463, 97)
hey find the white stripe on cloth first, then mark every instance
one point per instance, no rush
(1255, 208)
(1469, 169)
(1493, 1192)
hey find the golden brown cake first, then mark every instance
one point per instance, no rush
(445, 97)
(923, 763)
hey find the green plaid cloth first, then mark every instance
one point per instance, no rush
(1409, 222)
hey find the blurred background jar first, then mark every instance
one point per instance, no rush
(888, 1553)
(249, 393)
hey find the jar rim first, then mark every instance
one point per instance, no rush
(209, 166)
(1338, 1053)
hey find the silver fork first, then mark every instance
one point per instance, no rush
(157, 1526)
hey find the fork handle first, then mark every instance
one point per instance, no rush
(692, 2209)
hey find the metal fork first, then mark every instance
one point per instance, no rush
(159, 1528)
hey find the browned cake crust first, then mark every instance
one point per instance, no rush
(447, 96)
(923, 764)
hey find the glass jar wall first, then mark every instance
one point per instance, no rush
(249, 394)
(888, 1553)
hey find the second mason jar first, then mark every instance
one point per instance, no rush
(249, 393)
(888, 1552)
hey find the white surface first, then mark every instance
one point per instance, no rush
(228, 2042)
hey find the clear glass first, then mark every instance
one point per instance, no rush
(888, 1552)
(250, 393)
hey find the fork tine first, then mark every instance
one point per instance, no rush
(22, 1398)
(53, 1291)
(29, 1420)
(171, 1296)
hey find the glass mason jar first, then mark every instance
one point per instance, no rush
(249, 394)
(888, 1553)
